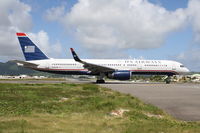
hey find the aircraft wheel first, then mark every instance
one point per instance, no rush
(100, 81)
(168, 80)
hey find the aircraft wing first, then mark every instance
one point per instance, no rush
(94, 68)
(25, 64)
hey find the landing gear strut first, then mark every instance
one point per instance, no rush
(168, 80)
(100, 78)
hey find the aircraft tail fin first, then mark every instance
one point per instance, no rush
(30, 50)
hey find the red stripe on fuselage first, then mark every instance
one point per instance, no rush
(123, 70)
(62, 69)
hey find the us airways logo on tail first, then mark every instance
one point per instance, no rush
(29, 49)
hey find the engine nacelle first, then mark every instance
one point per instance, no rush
(120, 75)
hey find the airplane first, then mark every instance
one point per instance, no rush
(101, 68)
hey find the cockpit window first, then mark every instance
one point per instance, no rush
(182, 66)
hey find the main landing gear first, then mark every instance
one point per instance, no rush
(100, 79)
(168, 80)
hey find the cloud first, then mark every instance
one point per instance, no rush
(191, 58)
(115, 24)
(41, 39)
(55, 13)
(15, 17)
(194, 17)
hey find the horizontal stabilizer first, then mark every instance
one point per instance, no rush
(24, 63)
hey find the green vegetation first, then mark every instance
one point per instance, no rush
(84, 108)
(11, 68)
(152, 78)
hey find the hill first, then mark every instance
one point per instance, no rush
(11, 68)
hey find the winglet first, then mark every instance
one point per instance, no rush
(71, 49)
(75, 56)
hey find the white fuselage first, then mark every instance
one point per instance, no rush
(69, 66)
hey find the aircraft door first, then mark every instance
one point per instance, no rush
(139, 66)
(47, 64)
(173, 67)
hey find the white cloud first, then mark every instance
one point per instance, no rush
(194, 17)
(102, 26)
(191, 58)
(15, 17)
(117, 24)
(55, 13)
(41, 39)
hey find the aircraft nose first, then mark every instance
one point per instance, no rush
(186, 70)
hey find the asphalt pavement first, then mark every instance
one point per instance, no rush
(182, 101)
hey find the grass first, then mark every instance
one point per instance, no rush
(43, 79)
(85, 109)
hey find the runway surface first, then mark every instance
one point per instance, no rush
(182, 101)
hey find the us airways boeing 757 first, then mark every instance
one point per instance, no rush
(112, 69)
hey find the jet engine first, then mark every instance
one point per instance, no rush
(120, 75)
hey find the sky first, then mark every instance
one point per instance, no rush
(115, 29)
